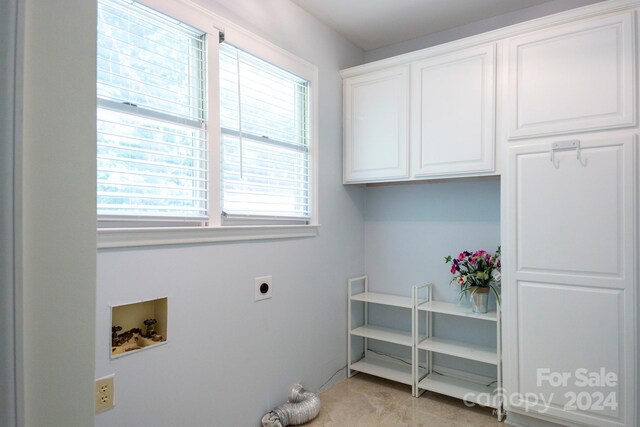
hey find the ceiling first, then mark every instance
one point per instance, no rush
(370, 24)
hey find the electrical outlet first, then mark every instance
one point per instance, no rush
(104, 393)
(264, 288)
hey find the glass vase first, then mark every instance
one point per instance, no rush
(479, 300)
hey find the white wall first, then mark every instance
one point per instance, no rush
(478, 27)
(56, 221)
(229, 360)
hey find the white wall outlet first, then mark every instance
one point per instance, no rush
(264, 288)
(104, 393)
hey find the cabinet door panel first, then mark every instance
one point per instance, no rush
(376, 126)
(575, 77)
(553, 310)
(573, 201)
(570, 277)
(453, 105)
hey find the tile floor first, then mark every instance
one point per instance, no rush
(367, 401)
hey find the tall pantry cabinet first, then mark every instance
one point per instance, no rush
(570, 237)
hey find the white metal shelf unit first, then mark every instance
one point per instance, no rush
(372, 363)
(466, 387)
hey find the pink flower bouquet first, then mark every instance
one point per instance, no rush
(476, 271)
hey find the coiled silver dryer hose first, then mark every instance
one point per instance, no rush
(303, 406)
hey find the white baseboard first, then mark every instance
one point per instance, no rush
(517, 419)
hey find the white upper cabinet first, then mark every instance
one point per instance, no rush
(450, 101)
(453, 113)
(376, 126)
(573, 77)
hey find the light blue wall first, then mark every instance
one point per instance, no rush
(55, 225)
(410, 228)
(10, 27)
(229, 360)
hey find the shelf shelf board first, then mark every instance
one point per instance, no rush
(460, 349)
(384, 334)
(461, 389)
(386, 368)
(384, 299)
(456, 310)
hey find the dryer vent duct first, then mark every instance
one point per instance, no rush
(303, 406)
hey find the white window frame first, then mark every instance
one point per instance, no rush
(212, 24)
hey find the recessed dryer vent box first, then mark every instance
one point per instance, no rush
(138, 326)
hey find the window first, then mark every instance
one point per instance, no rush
(194, 132)
(265, 139)
(152, 139)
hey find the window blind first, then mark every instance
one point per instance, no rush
(152, 160)
(265, 144)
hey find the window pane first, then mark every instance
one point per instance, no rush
(266, 165)
(152, 142)
(148, 62)
(273, 180)
(150, 167)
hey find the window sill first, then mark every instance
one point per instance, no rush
(156, 236)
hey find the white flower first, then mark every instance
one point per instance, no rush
(496, 276)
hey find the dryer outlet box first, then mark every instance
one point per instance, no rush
(264, 288)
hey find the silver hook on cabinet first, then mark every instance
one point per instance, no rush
(571, 144)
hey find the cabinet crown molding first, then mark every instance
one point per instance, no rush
(585, 12)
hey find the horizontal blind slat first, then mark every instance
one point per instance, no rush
(202, 181)
(267, 214)
(114, 194)
(146, 141)
(273, 171)
(131, 161)
(148, 208)
(121, 124)
(300, 166)
(230, 184)
(272, 197)
(155, 153)
(150, 185)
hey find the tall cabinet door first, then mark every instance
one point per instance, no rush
(572, 78)
(453, 113)
(376, 126)
(570, 280)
